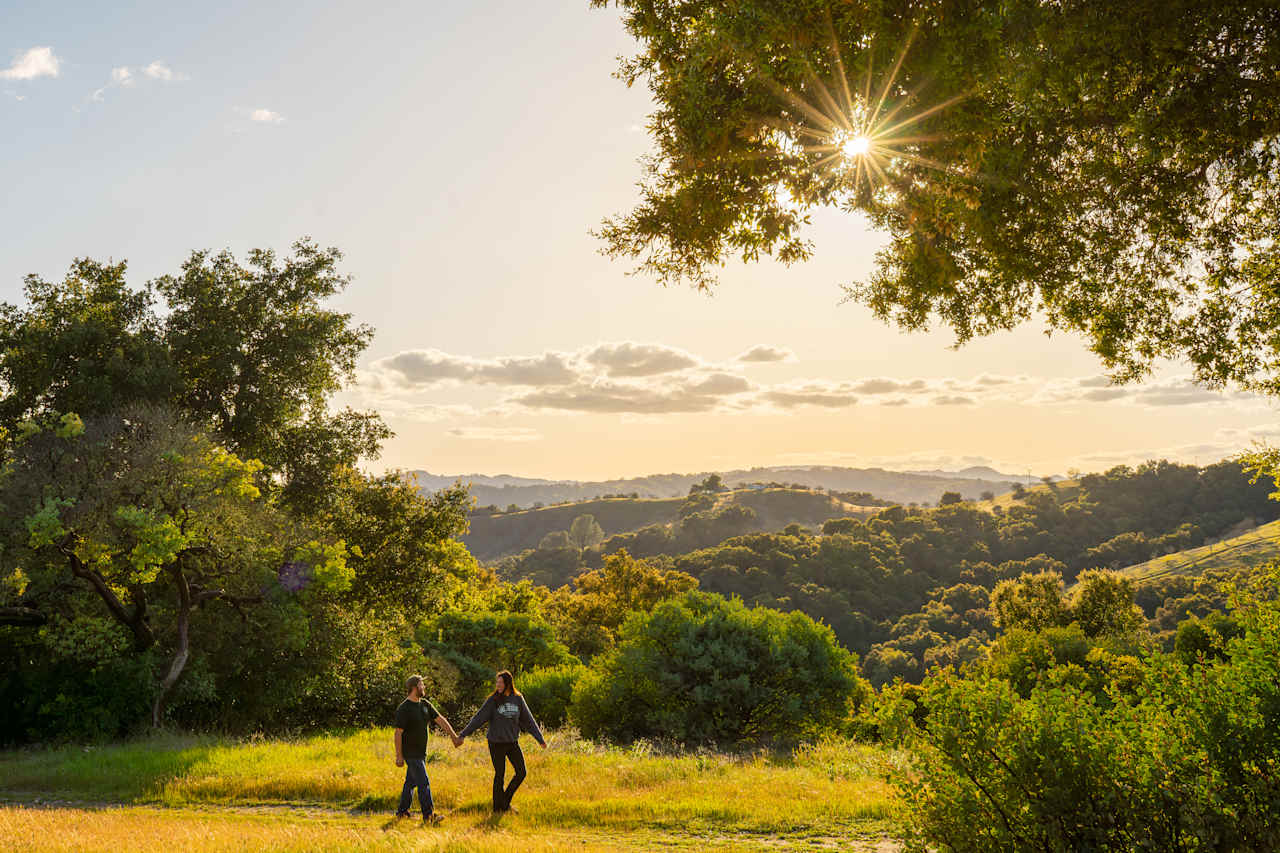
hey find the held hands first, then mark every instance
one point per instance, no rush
(457, 741)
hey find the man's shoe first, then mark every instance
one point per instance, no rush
(431, 819)
(401, 815)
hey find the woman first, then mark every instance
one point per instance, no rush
(507, 714)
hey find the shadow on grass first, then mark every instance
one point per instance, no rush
(131, 772)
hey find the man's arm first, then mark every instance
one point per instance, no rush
(399, 748)
(443, 722)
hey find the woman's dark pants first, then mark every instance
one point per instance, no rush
(500, 753)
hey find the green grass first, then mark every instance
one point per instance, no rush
(342, 788)
(1250, 549)
(1066, 490)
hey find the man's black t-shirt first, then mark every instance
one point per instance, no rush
(415, 718)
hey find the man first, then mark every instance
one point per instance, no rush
(413, 718)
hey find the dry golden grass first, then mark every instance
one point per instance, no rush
(337, 792)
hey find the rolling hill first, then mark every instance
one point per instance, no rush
(493, 536)
(896, 486)
(1251, 548)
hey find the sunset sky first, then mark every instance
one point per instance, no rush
(459, 154)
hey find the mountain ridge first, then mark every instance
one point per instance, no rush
(504, 490)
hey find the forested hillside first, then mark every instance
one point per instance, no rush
(499, 534)
(909, 588)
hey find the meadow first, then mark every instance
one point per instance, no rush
(338, 792)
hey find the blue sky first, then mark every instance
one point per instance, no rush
(459, 155)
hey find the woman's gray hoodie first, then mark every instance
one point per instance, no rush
(507, 716)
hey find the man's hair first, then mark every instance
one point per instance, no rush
(412, 682)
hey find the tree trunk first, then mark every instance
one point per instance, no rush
(181, 652)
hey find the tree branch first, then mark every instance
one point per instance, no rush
(27, 617)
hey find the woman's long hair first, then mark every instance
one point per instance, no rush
(510, 683)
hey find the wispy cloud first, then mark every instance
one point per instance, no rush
(764, 354)
(124, 76)
(266, 116)
(32, 63)
(158, 70)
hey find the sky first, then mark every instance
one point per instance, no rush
(459, 155)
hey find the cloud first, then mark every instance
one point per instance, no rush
(35, 62)
(266, 116)
(953, 400)
(125, 77)
(607, 396)
(431, 367)
(157, 70)
(495, 434)
(633, 359)
(1171, 391)
(888, 386)
(764, 354)
(828, 395)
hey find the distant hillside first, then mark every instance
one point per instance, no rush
(1255, 547)
(493, 536)
(896, 486)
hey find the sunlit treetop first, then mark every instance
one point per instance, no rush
(1111, 164)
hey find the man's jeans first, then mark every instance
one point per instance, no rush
(415, 776)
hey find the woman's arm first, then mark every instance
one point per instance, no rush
(528, 723)
(481, 717)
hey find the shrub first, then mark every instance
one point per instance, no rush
(1170, 757)
(549, 691)
(705, 669)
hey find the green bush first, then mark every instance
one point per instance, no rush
(549, 691)
(705, 669)
(475, 645)
(1169, 756)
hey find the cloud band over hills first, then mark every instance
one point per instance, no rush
(634, 378)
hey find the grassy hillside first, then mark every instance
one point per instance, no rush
(338, 793)
(1065, 489)
(495, 536)
(1249, 549)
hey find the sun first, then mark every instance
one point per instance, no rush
(856, 146)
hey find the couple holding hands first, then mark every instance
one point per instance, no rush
(505, 712)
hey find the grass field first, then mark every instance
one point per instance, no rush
(1248, 550)
(338, 792)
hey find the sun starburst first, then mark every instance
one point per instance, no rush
(858, 133)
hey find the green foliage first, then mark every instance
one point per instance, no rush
(1032, 602)
(589, 616)
(584, 532)
(1166, 756)
(550, 690)
(1018, 161)
(247, 352)
(475, 645)
(705, 669)
(154, 524)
